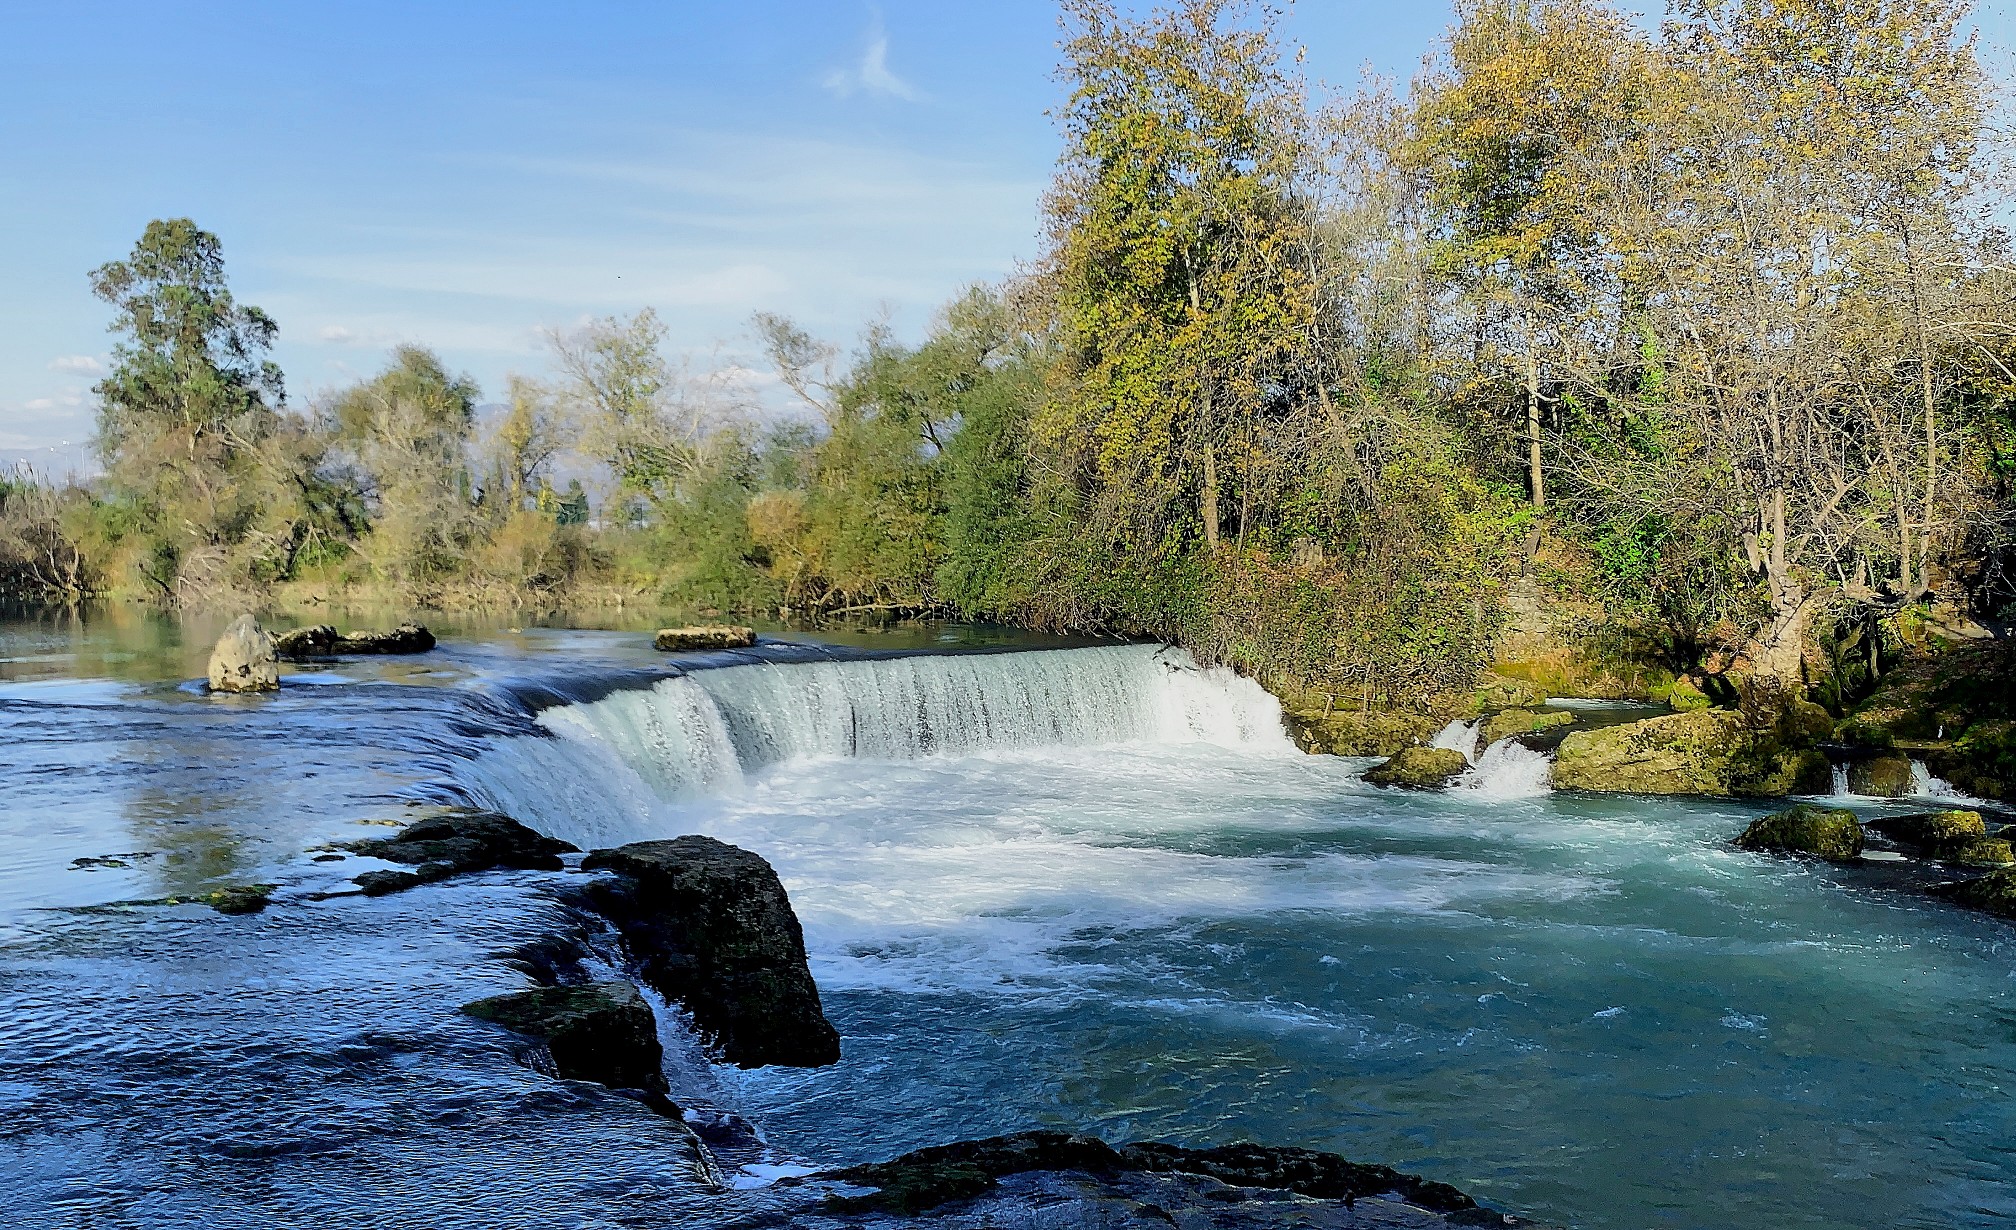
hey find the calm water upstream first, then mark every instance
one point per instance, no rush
(1080, 887)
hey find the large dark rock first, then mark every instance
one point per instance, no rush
(930, 1177)
(1419, 768)
(324, 641)
(710, 926)
(601, 1032)
(1831, 834)
(454, 842)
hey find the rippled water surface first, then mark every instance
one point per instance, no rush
(1082, 889)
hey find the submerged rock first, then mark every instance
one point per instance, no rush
(1935, 834)
(602, 1032)
(243, 659)
(324, 641)
(454, 842)
(1419, 768)
(710, 636)
(1881, 777)
(1235, 1183)
(1827, 833)
(710, 926)
(1707, 752)
(235, 899)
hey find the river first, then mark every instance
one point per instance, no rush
(1043, 884)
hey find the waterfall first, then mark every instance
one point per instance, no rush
(1924, 785)
(1460, 737)
(1508, 769)
(613, 760)
(1840, 780)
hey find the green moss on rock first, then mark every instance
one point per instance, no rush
(1935, 834)
(1511, 722)
(1828, 833)
(1352, 732)
(1684, 697)
(1708, 752)
(1984, 852)
(1419, 768)
(1881, 777)
(1995, 893)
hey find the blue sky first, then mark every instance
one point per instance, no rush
(465, 175)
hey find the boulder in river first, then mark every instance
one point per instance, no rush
(1934, 834)
(1707, 752)
(1510, 722)
(1244, 1185)
(602, 1032)
(1984, 852)
(324, 641)
(457, 841)
(709, 636)
(710, 926)
(1829, 833)
(1881, 777)
(243, 659)
(1419, 768)
(1994, 892)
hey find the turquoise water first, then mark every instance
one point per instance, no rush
(1122, 905)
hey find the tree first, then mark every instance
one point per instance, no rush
(1527, 86)
(186, 411)
(1179, 264)
(409, 429)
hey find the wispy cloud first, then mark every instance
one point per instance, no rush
(871, 73)
(76, 365)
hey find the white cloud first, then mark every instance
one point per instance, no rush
(337, 335)
(76, 365)
(872, 74)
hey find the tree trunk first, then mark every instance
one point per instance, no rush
(1209, 498)
(1535, 477)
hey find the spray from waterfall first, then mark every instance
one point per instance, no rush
(1508, 769)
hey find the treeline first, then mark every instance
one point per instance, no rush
(1711, 326)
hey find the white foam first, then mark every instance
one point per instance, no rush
(1460, 737)
(1924, 785)
(1508, 769)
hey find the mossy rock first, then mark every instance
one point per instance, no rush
(1513, 722)
(1419, 768)
(1936, 834)
(236, 899)
(1828, 833)
(1985, 852)
(1353, 732)
(1717, 752)
(1994, 892)
(1684, 697)
(1881, 777)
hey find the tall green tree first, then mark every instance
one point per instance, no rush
(186, 411)
(1181, 246)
